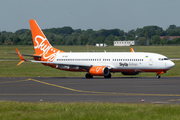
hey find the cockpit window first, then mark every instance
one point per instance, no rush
(161, 59)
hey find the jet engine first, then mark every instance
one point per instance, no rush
(99, 71)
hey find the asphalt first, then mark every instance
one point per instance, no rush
(165, 90)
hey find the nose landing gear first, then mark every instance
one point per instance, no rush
(158, 76)
(160, 72)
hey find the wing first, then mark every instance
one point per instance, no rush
(58, 64)
(71, 66)
(63, 65)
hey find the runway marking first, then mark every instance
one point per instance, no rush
(121, 82)
(110, 93)
(15, 81)
(174, 100)
(64, 87)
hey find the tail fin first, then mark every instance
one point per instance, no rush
(41, 44)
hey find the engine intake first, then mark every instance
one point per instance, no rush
(99, 71)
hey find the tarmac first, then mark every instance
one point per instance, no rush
(165, 90)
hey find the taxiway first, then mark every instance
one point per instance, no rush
(79, 89)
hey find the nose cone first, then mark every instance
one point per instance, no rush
(171, 64)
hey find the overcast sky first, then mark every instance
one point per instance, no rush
(89, 14)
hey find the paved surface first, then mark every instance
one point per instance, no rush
(120, 89)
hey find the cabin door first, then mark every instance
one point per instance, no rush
(150, 61)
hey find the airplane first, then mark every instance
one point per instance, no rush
(94, 63)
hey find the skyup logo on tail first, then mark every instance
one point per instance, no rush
(41, 44)
(46, 50)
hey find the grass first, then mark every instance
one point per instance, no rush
(87, 111)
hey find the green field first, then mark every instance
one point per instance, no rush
(87, 111)
(28, 69)
(169, 51)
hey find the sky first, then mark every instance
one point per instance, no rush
(89, 14)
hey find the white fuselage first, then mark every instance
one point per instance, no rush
(118, 61)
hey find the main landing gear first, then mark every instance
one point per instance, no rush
(108, 76)
(88, 75)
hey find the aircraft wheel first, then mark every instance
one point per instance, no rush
(88, 75)
(108, 76)
(158, 76)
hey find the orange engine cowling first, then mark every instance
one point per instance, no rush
(99, 71)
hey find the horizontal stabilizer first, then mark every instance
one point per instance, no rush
(20, 56)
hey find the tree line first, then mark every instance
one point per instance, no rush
(69, 36)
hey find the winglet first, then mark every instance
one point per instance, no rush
(131, 49)
(20, 56)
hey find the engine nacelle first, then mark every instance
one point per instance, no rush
(99, 71)
(130, 73)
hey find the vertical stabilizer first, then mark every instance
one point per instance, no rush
(41, 44)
